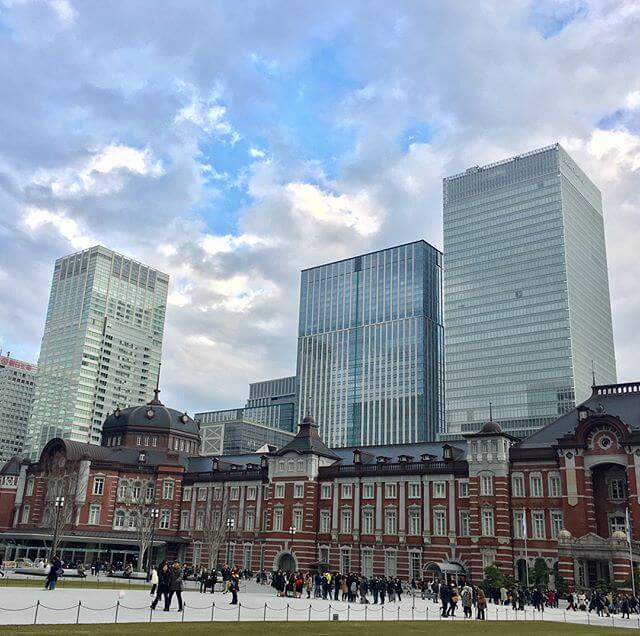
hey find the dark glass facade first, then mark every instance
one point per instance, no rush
(370, 347)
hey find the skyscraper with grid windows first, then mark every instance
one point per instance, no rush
(370, 347)
(527, 307)
(101, 346)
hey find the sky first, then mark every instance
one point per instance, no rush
(232, 144)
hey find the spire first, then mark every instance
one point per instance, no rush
(156, 391)
(490, 412)
(593, 374)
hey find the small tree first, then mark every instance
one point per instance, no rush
(493, 577)
(539, 574)
(139, 501)
(214, 525)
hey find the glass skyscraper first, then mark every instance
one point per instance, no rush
(370, 347)
(101, 346)
(527, 307)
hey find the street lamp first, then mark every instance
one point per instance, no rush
(58, 503)
(231, 522)
(154, 513)
(292, 531)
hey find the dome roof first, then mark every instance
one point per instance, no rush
(153, 415)
(620, 535)
(564, 534)
(491, 427)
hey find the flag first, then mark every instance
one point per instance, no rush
(628, 523)
(524, 525)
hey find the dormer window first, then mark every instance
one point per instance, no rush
(215, 464)
(426, 457)
(142, 457)
(357, 456)
(264, 461)
(583, 413)
(447, 453)
(403, 459)
(381, 459)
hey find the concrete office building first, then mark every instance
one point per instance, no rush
(527, 305)
(370, 347)
(101, 346)
(17, 385)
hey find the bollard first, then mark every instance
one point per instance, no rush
(117, 608)
(309, 612)
(398, 612)
(413, 618)
(35, 618)
(427, 614)
(78, 614)
(329, 611)
(383, 612)
(239, 606)
(264, 614)
(348, 612)
(565, 616)
(287, 619)
(213, 608)
(150, 614)
(365, 613)
(184, 607)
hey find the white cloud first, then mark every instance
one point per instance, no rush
(256, 153)
(36, 218)
(617, 150)
(355, 211)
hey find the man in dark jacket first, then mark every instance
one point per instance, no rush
(175, 587)
(54, 572)
(445, 598)
(164, 576)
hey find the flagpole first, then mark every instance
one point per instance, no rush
(633, 576)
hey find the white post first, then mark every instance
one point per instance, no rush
(633, 576)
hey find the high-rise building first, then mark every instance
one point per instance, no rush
(527, 308)
(17, 384)
(370, 347)
(101, 346)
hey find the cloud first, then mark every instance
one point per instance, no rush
(181, 138)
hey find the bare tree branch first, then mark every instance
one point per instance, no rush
(213, 519)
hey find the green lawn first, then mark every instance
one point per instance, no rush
(318, 629)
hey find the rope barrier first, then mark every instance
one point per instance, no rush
(144, 607)
(207, 607)
(59, 609)
(17, 609)
(99, 609)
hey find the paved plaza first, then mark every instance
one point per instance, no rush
(29, 605)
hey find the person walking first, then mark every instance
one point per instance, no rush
(163, 584)
(55, 569)
(467, 600)
(154, 580)
(175, 586)
(481, 605)
(445, 598)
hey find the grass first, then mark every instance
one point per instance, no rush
(319, 629)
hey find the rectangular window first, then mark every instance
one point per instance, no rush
(415, 565)
(98, 485)
(414, 522)
(184, 520)
(200, 520)
(197, 553)
(30, 483)
(234, 493)
(464, 523)
(246, 559)
(414, 490)
(439, 490)
(390, 521)
(94, 514)
(297, 519)
(217, 493)
(250, 520)
(26, 509)
(487, 523)
(390, 491)
(367, 563)
(345, 560)
(535, 485)
(151, 491)
(167, 489)
(298, 491)
(325, 522)
(486, 485)
(518, 524)
(390, 563)
(118, 519)
(139, 440)
(557, 523)
(325, 491)
(165, 519)
(617, 523)
(463, 488)
(537, 521)
(617, 489)
(367, 491)
(202, 494)
(440, 523)
(186, 493)
(347, 491)
(277, 519)
(279, 491)
(367, 521)
(345, 521)
(517, 485)
(555, 486)
(252, 493)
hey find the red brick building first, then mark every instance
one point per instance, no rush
(428, 508)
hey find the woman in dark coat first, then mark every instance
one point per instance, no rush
(175, 587)
(163, 584)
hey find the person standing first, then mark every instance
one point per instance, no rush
(54, 572)
(154, 580)
(175, 587)
(445, 598)
(164, 576)
(481, 605)
(467, 600)
(234, 588)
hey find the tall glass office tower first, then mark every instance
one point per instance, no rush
(101, 346)
(527, 308)
(370, 347)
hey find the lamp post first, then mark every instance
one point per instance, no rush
(231, 522)
(292, 531)
(154, 513)
(58, 502)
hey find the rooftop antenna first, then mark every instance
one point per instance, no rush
(490, 411)
(593, 374)
(156, 391)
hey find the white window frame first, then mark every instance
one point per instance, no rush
(98, 486)
(390, 521)
(368, 491)
(202, 493)
(278, 516)
(367, 521)
(279, 491)
(165, 519)
(184, 519)
(535, 480)
(168, 488)
(252, 493)
(346, 521)
(298, 490)
(486, 485)
(186, 493)
(488, 528)
(92, 519)
(391, 490)
(26, 511)
(439, 489)
(538, 526)
(557, 523)
(297, 518)
(463, 488)
(415, 522)
(325, 491)
(30, 486)
(439, 522)
(517, 485)
(325, 521)
(555, 485)
(347, 491)
(464, 518)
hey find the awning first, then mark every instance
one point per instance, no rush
(446, 567)
(13, 537)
